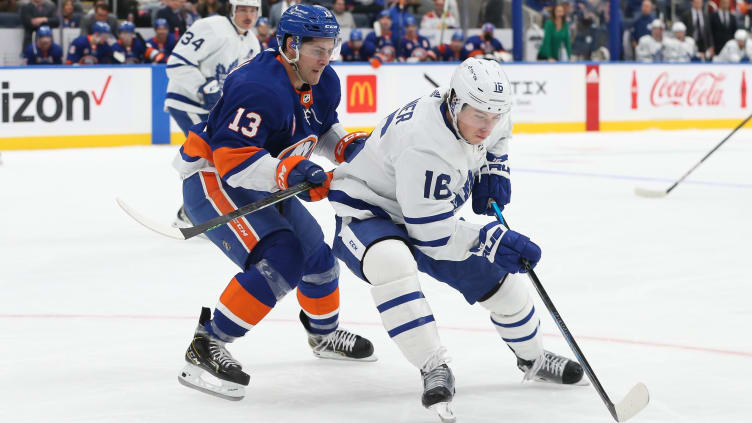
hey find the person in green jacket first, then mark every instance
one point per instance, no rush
(557, 45)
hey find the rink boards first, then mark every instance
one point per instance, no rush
(59, 107)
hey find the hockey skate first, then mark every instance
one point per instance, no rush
(339, 345)
(183, 221)
(438, 391)
(210, 368)
(552, 368)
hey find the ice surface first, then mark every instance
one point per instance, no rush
(97, 311)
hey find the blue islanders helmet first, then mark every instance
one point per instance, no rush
(481, 84)
(100, 28)
(356, 35)
(303, 20)
(457, 36)
(161, 22)
(488, 27)
(410, 21)
(44, 31)
(127, 26)
(262, 21)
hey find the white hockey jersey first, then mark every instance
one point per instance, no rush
(679, 51)
(210, 48)
(731, 52)
(415, 169)
(649, 49)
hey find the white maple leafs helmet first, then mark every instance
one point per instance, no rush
(481, 84)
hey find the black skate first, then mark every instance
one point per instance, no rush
(339, 345)
(552, 368)
(211, 368)
(438, 391)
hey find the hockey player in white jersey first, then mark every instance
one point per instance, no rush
(681, 48)
(396, 202)
(650, 47)
(203, 57)
(736, 50)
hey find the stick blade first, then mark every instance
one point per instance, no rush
(167, 231)
(633, 403)
(649, 193)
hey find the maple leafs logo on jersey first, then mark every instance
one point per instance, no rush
(221, 71)
(460, 198)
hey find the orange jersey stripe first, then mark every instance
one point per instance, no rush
(242, 304)
(195, 146)
(319, 306)
(221, 202)
(226, 158)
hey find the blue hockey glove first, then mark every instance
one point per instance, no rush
(211, 92)
(296, 169)
(492, 184)
(506, 248)
(349, 146)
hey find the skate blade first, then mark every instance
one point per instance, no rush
(582, 382)
(328, 355)
(191, 377)
(445, 413)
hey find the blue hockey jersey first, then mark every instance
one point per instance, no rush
(34, 56)
(133, 53)
(82, 49)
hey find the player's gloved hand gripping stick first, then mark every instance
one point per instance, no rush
(638, 396)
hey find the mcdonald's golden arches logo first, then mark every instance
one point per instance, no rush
(361, 93)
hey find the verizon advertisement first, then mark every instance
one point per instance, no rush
(74, 101)
(674, 92)
(539, 92)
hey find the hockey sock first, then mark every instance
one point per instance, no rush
(318, 292)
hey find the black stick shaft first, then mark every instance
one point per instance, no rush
(248, 208)
(709, 153)
(562, 326)
(430, 80)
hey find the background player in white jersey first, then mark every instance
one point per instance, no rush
(737, 50)
(650, 48)
(681, 48)
(396, 202)
(203, 57)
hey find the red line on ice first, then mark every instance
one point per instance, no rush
(464, 329)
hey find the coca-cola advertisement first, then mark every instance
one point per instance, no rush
(700, 93)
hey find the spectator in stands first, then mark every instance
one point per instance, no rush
(640, 25)
(556, 45)
(681, 48)
(650, 48)
(432, 19)
(736, 50)
(128, 49)
(101, 13)
(399, 15)
(698, 26)
(175, 15)
(159, 47)
(43, 51)
(8, 6)
(190, 12)
(722, 25)
(209, 8)
(91, 49)
(344, 18)
(413, 42)
(265, 34)
(384, 36)
(277, 9)
(452, 52)
(484, 44)
(69, 18)
(357, 50)
(35, 14)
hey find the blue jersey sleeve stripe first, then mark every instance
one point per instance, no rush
(524, 338)
(342, 198)
(432, 243)
(394, 302)
(184, 99)
(183, 59)
(245, 164)
(429, 219)
(175, 65)
(515, 324)
(411, 325)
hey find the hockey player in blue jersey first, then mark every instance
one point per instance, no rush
(452, 52)
(357, 50)
(128, 49)
(484, 44)
(159, 47)
(93, 48)
(396, 204)
(43, 51)
(385, 37)
(412, 41)
(275, 111)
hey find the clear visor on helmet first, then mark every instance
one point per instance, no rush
(475, 118)
(321, 48)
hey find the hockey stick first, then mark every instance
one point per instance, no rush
(638, 396)
(188, 233)
(658, 194)
(429, 79)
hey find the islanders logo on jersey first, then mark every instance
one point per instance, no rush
(303, 148)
